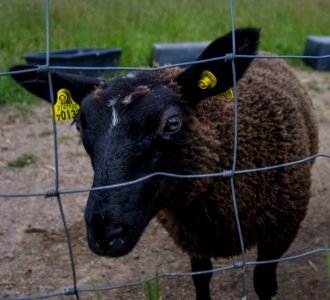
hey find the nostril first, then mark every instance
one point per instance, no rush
(112, 232)
(111, 241)
(109, 235)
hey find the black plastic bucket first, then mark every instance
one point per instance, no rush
(318, 46)
(174, 53)
(80, 57)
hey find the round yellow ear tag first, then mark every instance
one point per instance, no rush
(65, 107)
(207, 80)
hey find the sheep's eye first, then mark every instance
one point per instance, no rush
(78, 126)
(80, 122)
(173, 124)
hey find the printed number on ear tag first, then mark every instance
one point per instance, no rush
(65, 107)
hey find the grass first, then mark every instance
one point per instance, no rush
(136, 25)
(76, 153)
(313, 85)
(150, 292)
(22, 161)
(46, 132)
(3, 149)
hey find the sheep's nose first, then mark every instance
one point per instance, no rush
(102, 233)
(106, 239)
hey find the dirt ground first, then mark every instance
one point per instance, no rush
(33, 251)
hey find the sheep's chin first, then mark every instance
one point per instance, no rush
(115, 248)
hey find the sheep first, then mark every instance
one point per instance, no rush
(181, 121)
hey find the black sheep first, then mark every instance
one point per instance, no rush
(180, 121)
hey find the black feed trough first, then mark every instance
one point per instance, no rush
(318, 46)
(80, 57)
(174, 53)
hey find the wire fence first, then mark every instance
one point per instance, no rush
(56, 192)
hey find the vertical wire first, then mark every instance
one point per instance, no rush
(59, 202)
(47, 34)
(232, 181)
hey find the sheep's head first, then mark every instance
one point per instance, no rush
(134, 125)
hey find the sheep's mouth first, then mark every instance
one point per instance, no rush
(115, 247)
(112, 245)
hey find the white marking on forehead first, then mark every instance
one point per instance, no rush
(115, 118)
(127, 100)
(112, 102)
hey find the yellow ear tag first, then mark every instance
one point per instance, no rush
(229, 94)
(65, 107)
(207, 80)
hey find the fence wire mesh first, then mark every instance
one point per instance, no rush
(56, 192)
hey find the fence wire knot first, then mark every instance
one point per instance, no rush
(42, 68)
(51, 193)
(69, 291)
(227, 173)
(239, 264)
(229, 56)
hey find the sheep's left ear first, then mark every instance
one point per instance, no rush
(212, 78)
(38, 84)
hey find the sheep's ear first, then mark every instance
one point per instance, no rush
(37, 83)
(215, 77)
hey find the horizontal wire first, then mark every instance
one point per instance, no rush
(225, 173)
(46, 68)
(238, 264)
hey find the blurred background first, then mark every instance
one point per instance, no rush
(135, 26)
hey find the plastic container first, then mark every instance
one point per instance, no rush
(318, 46)
(173, 53)
(80, 57)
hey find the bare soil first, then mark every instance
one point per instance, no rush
(34, 256)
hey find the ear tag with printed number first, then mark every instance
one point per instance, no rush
(65, 107)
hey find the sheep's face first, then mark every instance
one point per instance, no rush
(129, 130)
(135, 125)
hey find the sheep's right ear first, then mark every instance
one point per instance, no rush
(37, 82)
(216, 77)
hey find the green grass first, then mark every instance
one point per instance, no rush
(152, 292)
(76, 153)
(46, 132)
(136, 25)
(313, 85)
(98, 295)
(22, 161)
